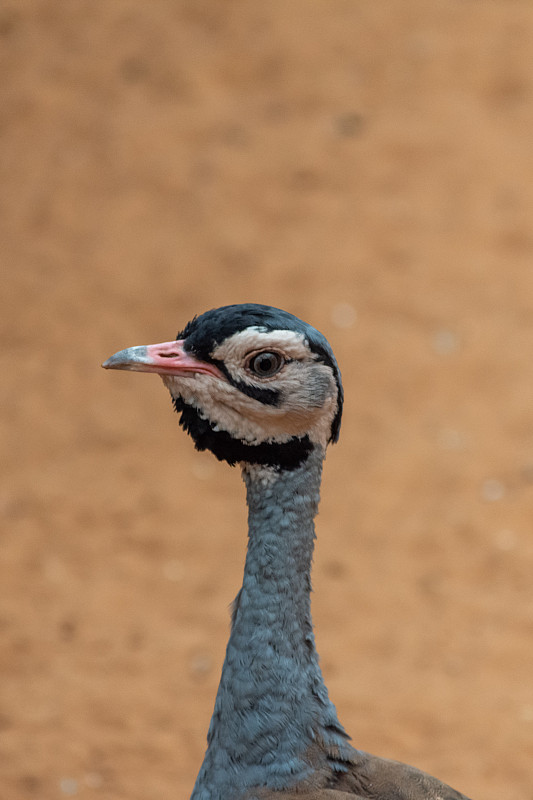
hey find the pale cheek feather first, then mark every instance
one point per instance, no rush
(308, 406)
(306, 385)
(223, 405)
(303, 383)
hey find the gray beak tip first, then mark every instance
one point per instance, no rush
(132, 358)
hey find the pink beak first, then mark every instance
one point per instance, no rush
(167, 358)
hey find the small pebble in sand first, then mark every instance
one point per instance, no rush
(202, 470)
(173, 570)
(445, 342)
(450, 439)
(492, 490)
(201, 663)
(350, 123)
(505, 539)
(93, 780)
(68, 786)
(343, 315)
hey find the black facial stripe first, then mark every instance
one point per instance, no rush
(283, 456)
(269, 397)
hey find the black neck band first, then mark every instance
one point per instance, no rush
(280, 455)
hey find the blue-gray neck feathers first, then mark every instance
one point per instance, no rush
(272, 708)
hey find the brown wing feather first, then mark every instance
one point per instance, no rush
(368, 778)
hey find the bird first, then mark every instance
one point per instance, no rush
(260, 388)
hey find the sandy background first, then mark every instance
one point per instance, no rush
(368, 166)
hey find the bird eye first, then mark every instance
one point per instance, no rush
(266, 364)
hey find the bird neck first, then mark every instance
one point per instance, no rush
(272, 706)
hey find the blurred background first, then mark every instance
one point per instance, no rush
(367, 166)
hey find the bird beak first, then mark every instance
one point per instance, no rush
(167, 358)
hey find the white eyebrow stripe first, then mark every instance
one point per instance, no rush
(291, 343)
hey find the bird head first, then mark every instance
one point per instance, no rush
(252, 383)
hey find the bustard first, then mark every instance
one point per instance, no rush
(259, 387)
